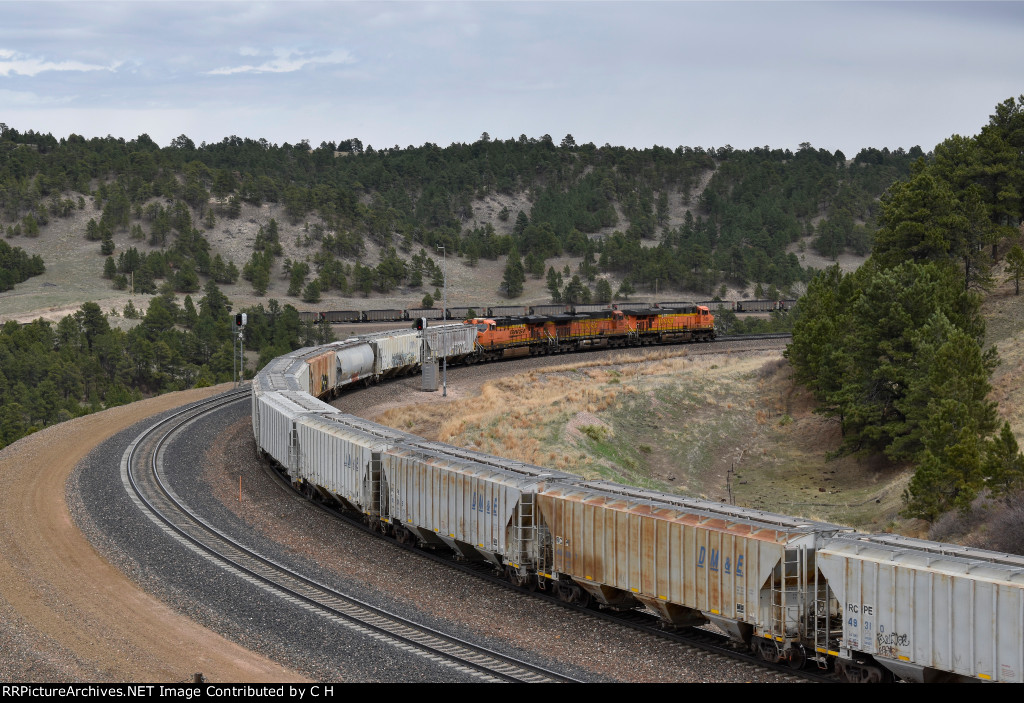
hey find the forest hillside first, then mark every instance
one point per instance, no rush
(323, 227)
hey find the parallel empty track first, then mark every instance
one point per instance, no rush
(141, 473)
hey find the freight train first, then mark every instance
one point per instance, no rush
(335, 317)
(873, 607)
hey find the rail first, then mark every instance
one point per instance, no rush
(152, 495)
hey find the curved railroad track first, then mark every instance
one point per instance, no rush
(141, 473)
(142, 467)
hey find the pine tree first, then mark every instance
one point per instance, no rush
(515, 275)
(311, 293)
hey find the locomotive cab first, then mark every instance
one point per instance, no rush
(483, 324)
(489, 339)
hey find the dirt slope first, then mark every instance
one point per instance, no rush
(65, 612)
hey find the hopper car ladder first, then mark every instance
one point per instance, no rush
(824, 637)
(293, 451)
(525, 531)
(788, 597)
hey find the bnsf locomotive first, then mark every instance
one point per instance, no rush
(875, 607)
(547, 334)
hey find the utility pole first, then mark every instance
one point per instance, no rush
(444, 314)
(240, 320)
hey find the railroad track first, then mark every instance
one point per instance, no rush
(141, 473)
(706, 640)
(142, 468)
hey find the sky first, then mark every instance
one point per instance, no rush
(838, 75)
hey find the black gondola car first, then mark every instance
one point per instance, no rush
(388, 315)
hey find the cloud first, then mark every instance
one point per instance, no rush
(14, 63)
(285, 61)
(21, 98)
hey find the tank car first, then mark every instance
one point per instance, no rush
(355, 360)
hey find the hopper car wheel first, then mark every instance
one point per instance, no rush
(766, 651)
(797, 658)
(404, 536)
(564, 594)
(864, 673)
(573, 594)
(518, 580)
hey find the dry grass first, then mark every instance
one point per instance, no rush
(725, 427)
(513, 417)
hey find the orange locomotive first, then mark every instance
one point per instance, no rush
(553, 334)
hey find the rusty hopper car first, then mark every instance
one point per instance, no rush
(323, 370)
(691, 561)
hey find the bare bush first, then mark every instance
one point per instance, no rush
(1007, 530)
(772, 368)
(954, 525)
